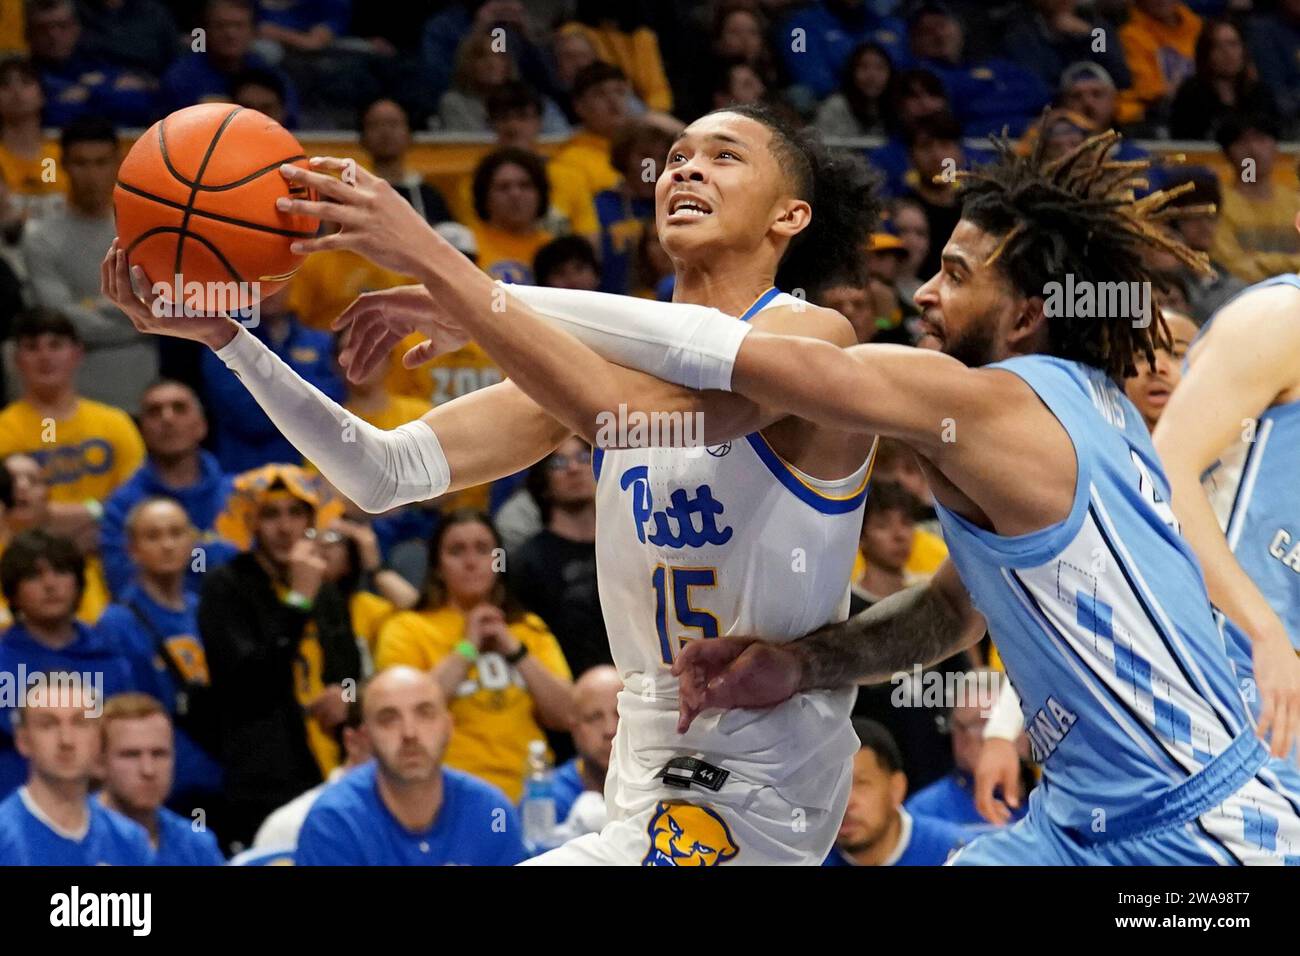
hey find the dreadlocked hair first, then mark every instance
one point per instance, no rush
(843, 194)
(1077, 214)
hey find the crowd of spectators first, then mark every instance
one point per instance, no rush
(303, 675)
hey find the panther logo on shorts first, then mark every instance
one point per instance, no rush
(682, 834)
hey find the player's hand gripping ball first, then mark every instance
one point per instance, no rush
(195, 198)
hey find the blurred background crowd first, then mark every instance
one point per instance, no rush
(156, 528)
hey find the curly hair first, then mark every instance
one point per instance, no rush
(838, 185)
(1079, 214)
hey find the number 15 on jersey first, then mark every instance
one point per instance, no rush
(674, 585)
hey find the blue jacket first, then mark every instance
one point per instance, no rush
(92, 651)
(84, 86)
(243, 436)
(193, 79)
(991, 94)
(829, 38)
(202, 501)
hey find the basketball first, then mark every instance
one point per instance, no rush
(195, 206)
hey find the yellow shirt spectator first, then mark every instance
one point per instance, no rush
(1257, 239)
(588, 154)
(1159, 55)
(492, 712)
(571, 200)
(369, 613)
(446, 377)
(637, 55)
(508, 256)
(397, 410)
(328, 282)
(86, 455)
(31, 181)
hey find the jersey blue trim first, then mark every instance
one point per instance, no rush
(597, 456)
(759, 304)
(808, 495)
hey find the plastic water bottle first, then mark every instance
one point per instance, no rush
(539, 799)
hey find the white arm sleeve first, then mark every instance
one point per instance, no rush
(690, 345)
(1005, 720)
(376, 469)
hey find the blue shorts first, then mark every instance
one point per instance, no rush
(1257, 822)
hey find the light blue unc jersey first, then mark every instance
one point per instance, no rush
(1107, 634)
(1255, 489)
(699, 542)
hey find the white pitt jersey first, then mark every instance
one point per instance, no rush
(699, 542)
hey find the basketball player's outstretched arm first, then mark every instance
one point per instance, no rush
(1249, 358)
(446, 450)
(921, 625)
(564, 374)
(966, 422)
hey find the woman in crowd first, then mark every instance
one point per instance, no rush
(480, 69)
(858, 109)
(502, 670)
(1225, 83)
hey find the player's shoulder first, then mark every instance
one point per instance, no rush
(790, 315)
(1267, 307)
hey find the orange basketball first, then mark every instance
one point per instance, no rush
(195, 198)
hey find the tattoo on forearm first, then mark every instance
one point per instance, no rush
(915, 626)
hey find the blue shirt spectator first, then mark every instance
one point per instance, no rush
(207, 74)
(622, 219)
(952, 798)
(172, 425)
(985, 95)
(91, 651)
(1049, 40)
(303, 15)
(77, 83)
(244, 437)
(922, 841)
(29, 838)
(179, 844)
(349, 825)
(830, 31)
(146, 630)
(135, 34)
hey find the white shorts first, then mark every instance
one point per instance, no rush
(742, 823)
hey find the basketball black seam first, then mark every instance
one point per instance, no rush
(174, 204)
(194, 184)
(161, 230)
(198, 178)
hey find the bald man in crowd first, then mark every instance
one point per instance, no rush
(405, 808)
